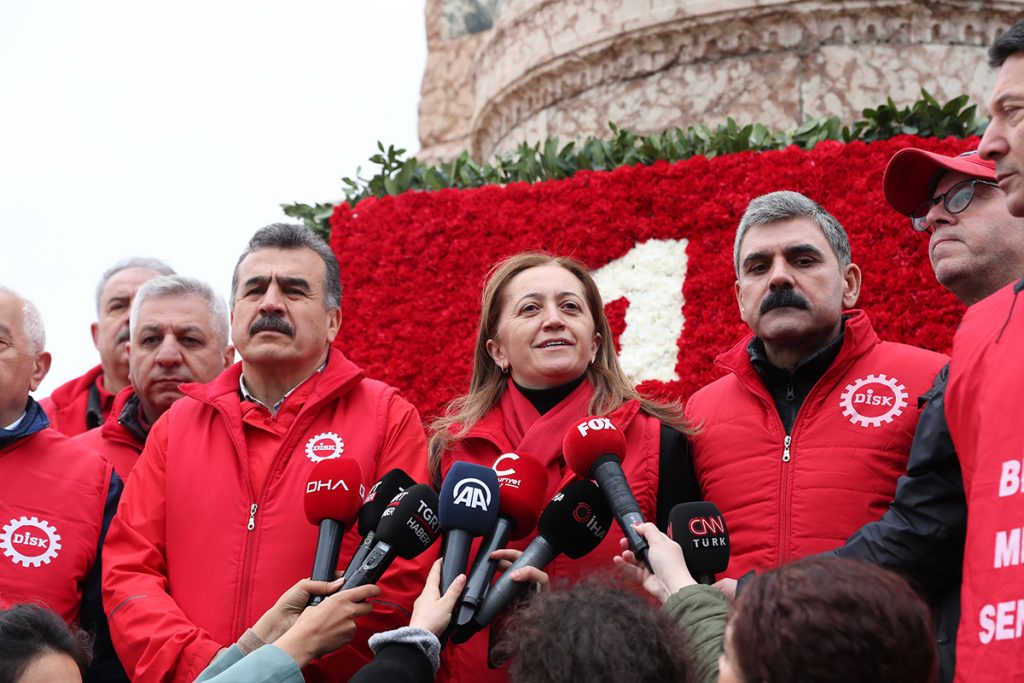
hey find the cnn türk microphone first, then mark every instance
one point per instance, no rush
(522, 485)
(408, 526)
(468, 507)
(377, 498)
(334, 492)
(573, 523)
(700, 531)
(594, 449)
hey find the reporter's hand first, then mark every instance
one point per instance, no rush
(433, 611)
(507, 556)
(727, 587)
(328, 626)
(279, 618)
(666, 558)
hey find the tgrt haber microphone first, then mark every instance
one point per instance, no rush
(573, 523)
(334, 492)
(469, 506)
(522, 485)
(700, 531)
(408, 526)
(594, 449)
(377, 498)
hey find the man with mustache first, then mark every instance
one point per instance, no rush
(211, 530)
(802, 442)
(85, 402)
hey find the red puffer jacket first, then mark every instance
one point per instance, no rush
(786, 497)
(68, 405)
(112, 440)
(195, 555)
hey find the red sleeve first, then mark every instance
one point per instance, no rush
(153, 638)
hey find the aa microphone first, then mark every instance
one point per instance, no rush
(468, 507)
(573, 523)
(594, 449)
(390, 485)
(700, 531)
(334, 492)
(408, 526)
(522, 485)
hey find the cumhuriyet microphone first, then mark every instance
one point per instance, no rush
(377, 498)
(334, 492)
(700, 531)
(468, 508)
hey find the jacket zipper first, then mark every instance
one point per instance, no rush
(252, 517)
(785, 458)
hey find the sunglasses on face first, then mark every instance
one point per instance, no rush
(955, 200)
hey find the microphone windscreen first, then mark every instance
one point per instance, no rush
(334, 490)
(700, 530)
(522, 485)
(577, 519)
(469, 499)
(377, 498)
(410, 523)
(588, 440)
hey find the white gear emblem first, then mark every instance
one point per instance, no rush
(324, 447)
(876, 393)
(46, 541)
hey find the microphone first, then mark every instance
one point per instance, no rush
(594, 449)
(390, 485)
(334, 492)
(522, 483)
(700, 531)
(573, 523)
(408, 526)
(468, 507)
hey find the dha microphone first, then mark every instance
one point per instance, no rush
(334, 492)
(522, 483)
(377, 499)
(594, 449)
(468, 507)
(573, 523)
(408, 526)
(700, 531)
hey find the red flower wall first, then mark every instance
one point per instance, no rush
(413, 265)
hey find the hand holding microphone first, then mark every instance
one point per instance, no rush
(334, 493)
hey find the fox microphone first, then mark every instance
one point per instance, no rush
(594, 449)
(377, 498)
(701, 532)
(468, 508)
(334, 492)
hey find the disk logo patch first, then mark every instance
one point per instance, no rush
(874, 400)
(324, 447)
(30, 541)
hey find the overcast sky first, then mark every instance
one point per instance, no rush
(175, 129)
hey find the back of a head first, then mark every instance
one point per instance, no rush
(863, 623)
(595, 632)
(30, 631)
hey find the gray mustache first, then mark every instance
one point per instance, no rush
(780, 298)
(271, 323)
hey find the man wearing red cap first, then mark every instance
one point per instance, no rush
(975, 247)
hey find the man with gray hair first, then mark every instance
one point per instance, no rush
(802, 442)
(57, 497)
(212, 530)
(178, 334)
(85, 402)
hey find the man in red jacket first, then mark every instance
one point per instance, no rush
(211, 530)
(802, 442)
(85, 402)
(179, 334)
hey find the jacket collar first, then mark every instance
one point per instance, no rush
(33, 421)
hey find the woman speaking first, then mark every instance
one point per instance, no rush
(543, 360)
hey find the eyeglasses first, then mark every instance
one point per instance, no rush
(955, 200)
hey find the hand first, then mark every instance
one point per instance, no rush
(279, 618)
(527, 574)
(727, 587)
(433, 611)
(666, 558)
(328, 626)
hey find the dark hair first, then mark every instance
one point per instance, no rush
(1007, 45)
(29, 631)
(826, 619)
(294, 236)
(595, 632)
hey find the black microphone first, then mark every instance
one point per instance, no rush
(408, 526)
(390, 485)
(573, 523)
(468, 508)
(594, 449)
(334, 492)
(700, 531)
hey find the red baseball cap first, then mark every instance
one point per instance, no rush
(911, 174)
